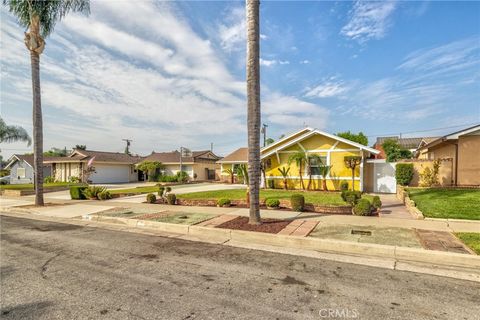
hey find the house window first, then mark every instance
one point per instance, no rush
(315, 164)
(20, 173)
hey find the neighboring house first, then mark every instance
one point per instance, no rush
(411, 144)
(109, 167)
(331, 148)
(21, 169)
(232, 161)
(463, 148)
(200, 165)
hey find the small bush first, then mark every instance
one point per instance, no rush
(93, 191)
(73, 179)
(362, 208)
(344, 185)
(164, 178)
(168, 189)
(429, 176)
(298, 202)
(351, 197)
(161, 191)
(151, 198)
(49, 179)
(404, 173)
(376, 202)
(272, 203)
(224, 202)
(271, 184)
(77, 192)
(182, 176)
(171, 198)
(104, 195)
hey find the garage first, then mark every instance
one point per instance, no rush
(110, 173)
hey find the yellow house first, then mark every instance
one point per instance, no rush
(330, 148)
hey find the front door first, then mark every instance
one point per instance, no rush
(384, 178)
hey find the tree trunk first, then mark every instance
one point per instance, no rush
(37, 129)
(253, 103)
(301, 176)
(309, 178)
(353, 179)
(231, 178)
(285, 183)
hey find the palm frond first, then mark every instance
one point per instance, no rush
(10, 134)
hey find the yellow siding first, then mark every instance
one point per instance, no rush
(270, 148)
(338, 173)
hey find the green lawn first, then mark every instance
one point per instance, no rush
(447, 203)
(315, 197)
(148, 189)
(471, 239)
(29, 186)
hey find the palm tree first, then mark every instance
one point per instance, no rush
(301, 159)
(231, 173)
(40, 17)
(284, 172)
(352, 162)
(242, 172)
(316, 158)
(253, 103)
(324, 171)
(13, 134)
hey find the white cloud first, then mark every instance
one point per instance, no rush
(305, 62)
(232, 32)
(263, 36)
(329, 88)
(272, 62)
(369, 20)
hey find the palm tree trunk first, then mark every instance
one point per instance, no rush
(301, 177)
(353, 179)
(285, 183)
(37, 129)
(253, 103)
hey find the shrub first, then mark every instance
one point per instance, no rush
(164, 178)
(182, 176)
(74, 179)
(93, 191)
(351, 197)
(161, 191)
(49, 179)
(104, 195)
(376, 202)
(404, 173)
(171, 198)
(271, 184)
(429, 177)
(224, 202)
(272, 203)
(151, 198)
(297, 201)
(168, 189)
(362, 208)
(344, 185)
(77, 192)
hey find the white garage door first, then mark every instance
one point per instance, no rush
(111, 174)
(384, 177)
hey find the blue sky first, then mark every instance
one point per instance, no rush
(167, 74)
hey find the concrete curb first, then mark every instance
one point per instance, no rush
(457, 265)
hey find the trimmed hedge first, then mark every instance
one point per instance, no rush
(151, 198)
(362, 208)
(77, 192)
(171, 198)
(344, 185)
(161, 191)
(376, 202)
(272, 203)
(297, 202)
(351, 197)
(224, 202)
(404, 173)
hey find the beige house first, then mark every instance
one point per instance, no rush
(462, 148)
(200, 165)
(108, 167)
(232, 161)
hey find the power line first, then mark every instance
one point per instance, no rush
(427, 130)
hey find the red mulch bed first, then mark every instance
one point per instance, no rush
(267, 226)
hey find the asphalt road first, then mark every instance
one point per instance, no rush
(60, 271)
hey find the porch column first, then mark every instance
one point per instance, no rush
(361, 173)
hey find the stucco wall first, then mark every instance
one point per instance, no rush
(469, 160)
(445, 174)
(63, 171)
(199, 169)
(28, 173)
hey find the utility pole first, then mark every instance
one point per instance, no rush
(264, 131)
(211, 146)
(127, 148)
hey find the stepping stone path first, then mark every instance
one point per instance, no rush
(217, 221)
(441, 241)
(299, 228)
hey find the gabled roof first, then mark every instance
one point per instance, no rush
(100, 156)
(174, 157)
(453, 136)
(308, 133)
(238, 156)
(27, 158)
(407, 143)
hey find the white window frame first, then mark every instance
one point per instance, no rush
(21, 176)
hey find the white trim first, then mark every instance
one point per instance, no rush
(278, 157)
(334, 145)
(456, 135)
(220, 161)
(361, 173)
(323, 150)
(12, 161)
(300, 145)
(376, 160)
(285, 138)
